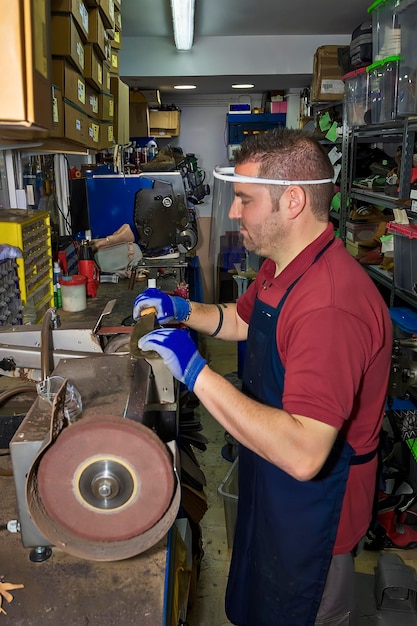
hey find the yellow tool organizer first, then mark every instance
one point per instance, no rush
(30, 230)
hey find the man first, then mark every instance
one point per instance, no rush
(315, 377)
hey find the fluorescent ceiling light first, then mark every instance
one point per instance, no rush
(243, 86)
(185, 86)
(183, 23)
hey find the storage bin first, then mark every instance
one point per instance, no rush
(383, 89)
(389, 88)
(360, 232)
(374, 72)
(228, 490)
(30, 230)
(407, 84)
(405, 255)
(356, 92)
(386, 35)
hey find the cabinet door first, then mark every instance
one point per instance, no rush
(164, 123)
(26, 85)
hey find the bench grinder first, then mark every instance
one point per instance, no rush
(105, 486)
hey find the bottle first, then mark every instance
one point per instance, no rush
(152, 149)
(57, 285)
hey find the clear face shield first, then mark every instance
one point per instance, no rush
(226, 250)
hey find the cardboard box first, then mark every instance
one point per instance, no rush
(118, 20)
(66, 40)
(327, 83)
(106, 77)
(106, 139)
(114, 62)
(78, 10)
(70, 81)
(93, 72)
(75, 123)
(93, 133)
(117, 41)
(25, 82)
(107, 13)
(355, 249)
(100, 105)
(58, 128)
(92, 102)
(96, 33)
(120, 93)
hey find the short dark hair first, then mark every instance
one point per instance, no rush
(291, 154)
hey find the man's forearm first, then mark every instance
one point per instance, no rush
(207, 319)
(296, 444)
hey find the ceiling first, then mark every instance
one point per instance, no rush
(239, 18)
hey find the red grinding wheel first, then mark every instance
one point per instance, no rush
(106, 479)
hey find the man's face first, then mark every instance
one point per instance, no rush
(261, 224)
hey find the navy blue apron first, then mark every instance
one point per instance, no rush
(285, 529)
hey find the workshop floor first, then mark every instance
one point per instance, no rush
(208, 607)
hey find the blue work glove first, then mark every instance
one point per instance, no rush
(167, 307)
(178, 352)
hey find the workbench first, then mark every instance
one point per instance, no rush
(67, 590)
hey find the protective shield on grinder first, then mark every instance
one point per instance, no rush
(144, 325)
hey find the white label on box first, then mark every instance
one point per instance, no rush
(84, 17)
(332, 86)
(414, 206)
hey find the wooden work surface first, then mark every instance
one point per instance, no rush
(71, 591)
(64, 589)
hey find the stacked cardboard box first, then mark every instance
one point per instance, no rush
(327, 83)
(83, 61)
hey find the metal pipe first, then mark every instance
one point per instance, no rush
(50, 320)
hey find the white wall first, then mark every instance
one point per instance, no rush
(203, 130)
(234, 56)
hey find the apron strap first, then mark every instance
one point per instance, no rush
(361, 459)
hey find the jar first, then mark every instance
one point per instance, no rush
(74, 293)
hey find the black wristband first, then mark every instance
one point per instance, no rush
(219, 327)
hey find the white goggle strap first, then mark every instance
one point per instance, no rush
(228, 174)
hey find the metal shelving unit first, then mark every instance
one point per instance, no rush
(405, 131)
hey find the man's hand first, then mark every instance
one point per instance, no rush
(178, 351)
(167, 307)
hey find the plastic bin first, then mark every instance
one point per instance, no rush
(356, 89)
(375, 73)
(405, 255)
(228, 490)
(383, 89)
(386, 36)
(389, 92)
(406, 13)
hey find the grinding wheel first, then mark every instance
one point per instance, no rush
(105, 490)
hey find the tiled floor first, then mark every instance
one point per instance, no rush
(208, 607)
